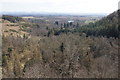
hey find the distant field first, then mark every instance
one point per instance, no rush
(28, 17)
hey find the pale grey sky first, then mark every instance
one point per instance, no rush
(60, 6)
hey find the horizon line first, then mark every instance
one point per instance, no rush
(50, 13)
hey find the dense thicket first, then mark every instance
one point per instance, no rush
(63, 56)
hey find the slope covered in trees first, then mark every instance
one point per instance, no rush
(107, 26)
(63, 56)
(39, 50)
(12, 18)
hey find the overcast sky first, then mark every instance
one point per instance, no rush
(60, 6)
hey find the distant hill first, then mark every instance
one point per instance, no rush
(107, 26)
(12, 18)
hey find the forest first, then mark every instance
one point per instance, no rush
(60, 46)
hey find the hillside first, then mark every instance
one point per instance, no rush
(107, 26)
(18, 28)
(12, 18)
(49, 50)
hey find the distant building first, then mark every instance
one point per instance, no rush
(70, 21)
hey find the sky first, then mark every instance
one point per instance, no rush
(59, 6)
